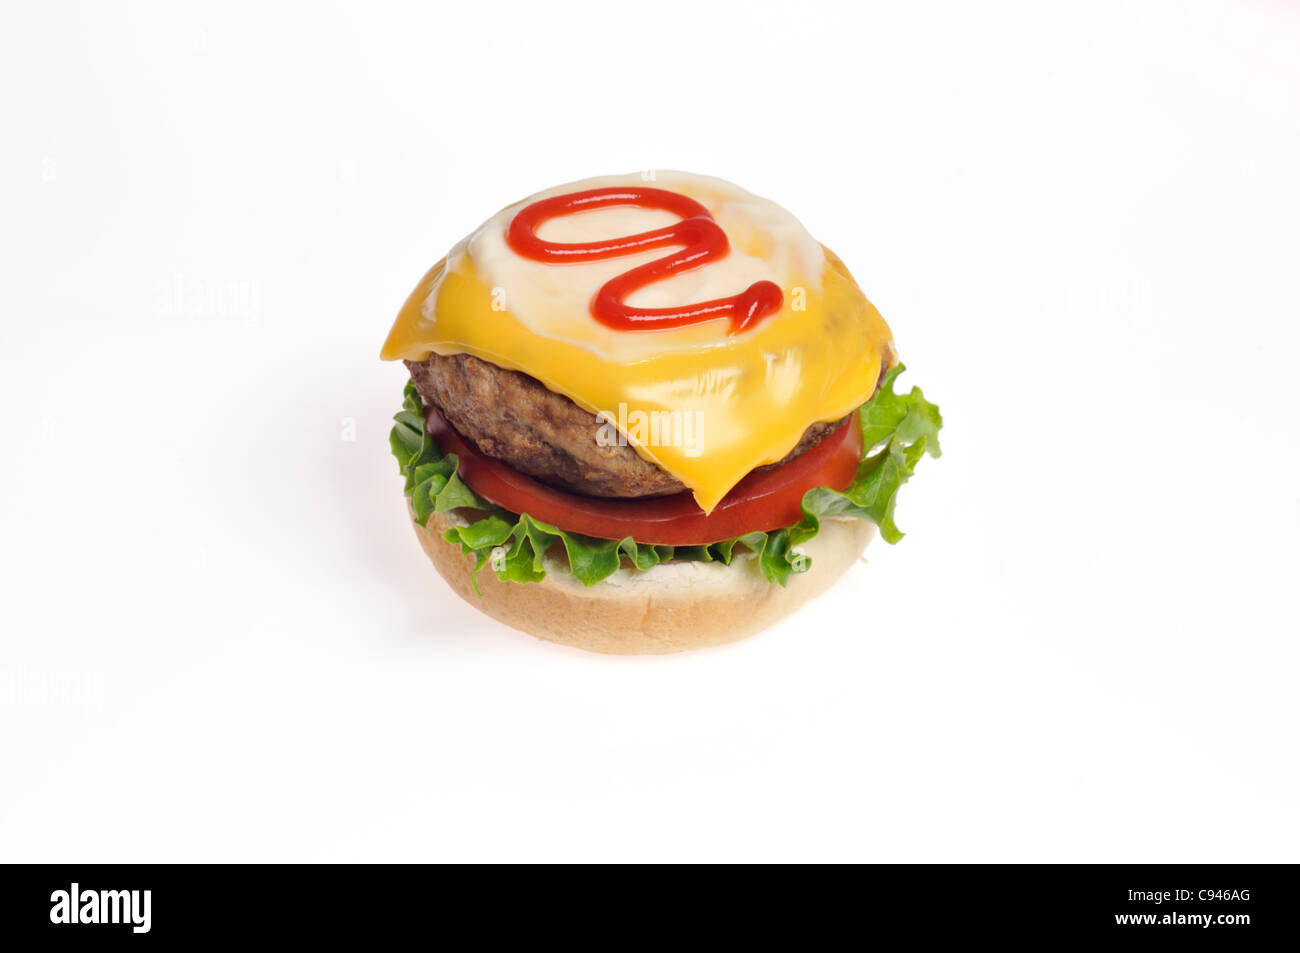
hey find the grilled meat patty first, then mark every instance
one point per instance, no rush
(515, 418)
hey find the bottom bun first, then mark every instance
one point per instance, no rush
(673, 607)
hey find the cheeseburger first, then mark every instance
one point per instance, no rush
(648, 413)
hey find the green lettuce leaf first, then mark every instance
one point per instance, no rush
(897, 429)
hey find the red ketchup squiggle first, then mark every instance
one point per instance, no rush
(701, 240)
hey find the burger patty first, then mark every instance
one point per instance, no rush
(515, 418)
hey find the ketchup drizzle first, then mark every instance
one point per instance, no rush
(701, 240)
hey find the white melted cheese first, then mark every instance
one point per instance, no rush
(554, 301)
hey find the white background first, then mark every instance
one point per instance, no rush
(221, 642)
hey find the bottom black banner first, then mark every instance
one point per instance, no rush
(97, 905)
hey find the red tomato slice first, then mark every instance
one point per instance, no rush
(765, 500)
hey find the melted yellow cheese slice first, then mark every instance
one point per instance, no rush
(705, 406)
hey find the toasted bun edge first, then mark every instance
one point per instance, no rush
(673, 607)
